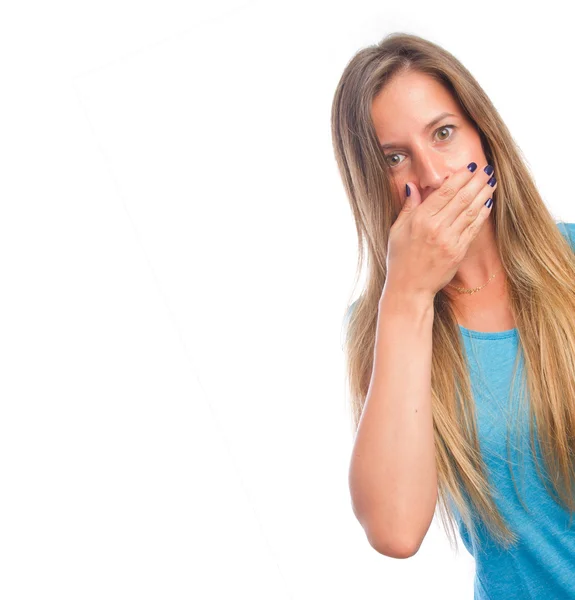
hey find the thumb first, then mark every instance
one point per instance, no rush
(412, 198)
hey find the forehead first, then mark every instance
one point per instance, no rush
(407, 103)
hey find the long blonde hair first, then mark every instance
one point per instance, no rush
(538, 263)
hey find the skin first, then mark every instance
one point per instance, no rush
(426, 159)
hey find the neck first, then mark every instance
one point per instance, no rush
(480, 263)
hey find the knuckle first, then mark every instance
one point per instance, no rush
(448, 249)
(472, 229)
(445, 245)
(453, 260)
(465, 197)
(447, 191)
(433, 230)
(471, 213)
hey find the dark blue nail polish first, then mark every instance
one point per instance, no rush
(407, 190)
(492, 181)
(489, 169)
(489, 203)
(472, 166)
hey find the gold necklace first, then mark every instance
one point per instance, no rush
(463, 290)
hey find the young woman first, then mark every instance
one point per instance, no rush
(461, 348)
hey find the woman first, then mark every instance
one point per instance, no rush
(465, 331)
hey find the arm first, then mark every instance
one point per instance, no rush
(392, 475)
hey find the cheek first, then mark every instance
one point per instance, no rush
(400, 191)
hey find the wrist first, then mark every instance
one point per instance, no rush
(401, 297)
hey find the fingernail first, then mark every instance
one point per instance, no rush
(472, 166)
(407, 190)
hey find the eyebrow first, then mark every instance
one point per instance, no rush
(440, 117)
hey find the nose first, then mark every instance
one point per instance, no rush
(430, 171)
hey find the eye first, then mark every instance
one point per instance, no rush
(389, 163)
(443, 128)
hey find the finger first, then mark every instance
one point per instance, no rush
(481, 182)
(411, 202)
(469, 223)
(442, 197)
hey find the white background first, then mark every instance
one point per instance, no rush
(177, 253)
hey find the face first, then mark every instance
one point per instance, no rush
(420, 149)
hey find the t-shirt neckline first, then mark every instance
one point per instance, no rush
(488, 335)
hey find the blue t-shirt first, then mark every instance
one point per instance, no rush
(542, 563)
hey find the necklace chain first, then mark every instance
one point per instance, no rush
(463, 290)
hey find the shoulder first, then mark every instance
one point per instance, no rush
(568, 231)
(349, 312)
(346, 320)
